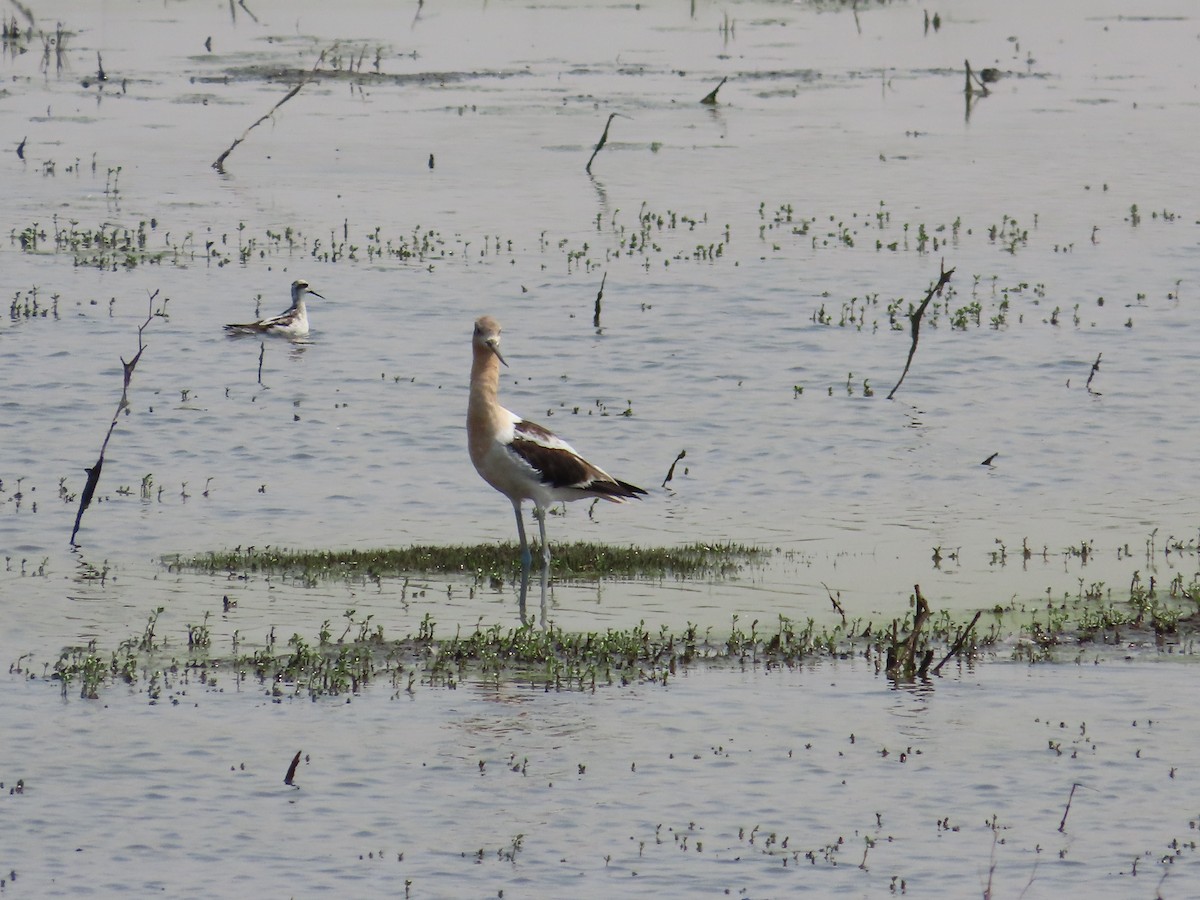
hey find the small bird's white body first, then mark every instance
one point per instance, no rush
(291, 323)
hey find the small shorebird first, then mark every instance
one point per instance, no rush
(523, 460)
(292, 323)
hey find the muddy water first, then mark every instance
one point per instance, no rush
(749, 254)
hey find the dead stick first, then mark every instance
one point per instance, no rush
(710, 99)
(599, 297)
(837, 607)
(671, 471)
(958, 644)
(1095, 369)
(915, 319)
(603, 140)
(919, 617)
(25, 11)
(219, 164)
(290, 777)
(923, 669)
(1062, 826)
(972, 80)
(93, 473)
(902, 655)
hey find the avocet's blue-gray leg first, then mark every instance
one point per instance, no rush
(541, 517)
(526, 560)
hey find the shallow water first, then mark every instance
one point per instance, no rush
(753, 783)
(807, 188)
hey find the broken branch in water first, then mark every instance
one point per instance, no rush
(290, 777)
(603, 140)
(671, 471)
(710, 99)
(973, 80)
(837, 606)
(1062, 826)
(902, 659)
(915, 318)
(958, 643)
(219, 163)
(599, 297)
(93, 473)
(1095, 369)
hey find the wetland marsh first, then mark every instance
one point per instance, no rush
(710, 712)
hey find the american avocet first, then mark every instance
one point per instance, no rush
(523, 460)
(292, 323)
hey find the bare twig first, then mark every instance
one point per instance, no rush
(290, 777)
(987, 891)
(93, 473)
(837, 607)
(915, 318)
(956, 648)
(710, 98)
(1095, 370)
(973, 80)
(25, 11)
(599, 297)
(603, 140)
(1062, 826)
(671, 471)
(902, 655)
(219, 163)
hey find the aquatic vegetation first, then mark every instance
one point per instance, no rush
(106, 246)
(578, 560)
(331, 664)
(110, 246)
(549, 659)
(27, 305)
(1009, 234)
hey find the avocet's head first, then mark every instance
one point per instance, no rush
(300, 288)
(487, 336)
